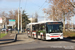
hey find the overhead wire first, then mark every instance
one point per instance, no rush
(42, 5)
(36, 4)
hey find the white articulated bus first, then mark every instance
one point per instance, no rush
(46, 30)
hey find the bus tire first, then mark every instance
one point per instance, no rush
(29, 36)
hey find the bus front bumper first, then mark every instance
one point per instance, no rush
(49, 38)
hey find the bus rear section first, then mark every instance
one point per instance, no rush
(54, 30)
(31, 30)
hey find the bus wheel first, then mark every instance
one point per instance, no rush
(29, 36)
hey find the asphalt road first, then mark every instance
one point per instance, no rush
(65, 44)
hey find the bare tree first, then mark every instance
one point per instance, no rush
(36, 16)
(60, 10)
(4, 16)
(14, 15)
(72, 3)
(11, 14)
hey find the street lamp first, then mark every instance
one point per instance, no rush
(18, 20)
(18, 15)
(21, 19)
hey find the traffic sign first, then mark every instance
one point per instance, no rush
(12, 22)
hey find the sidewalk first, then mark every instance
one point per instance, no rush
(21, 39)
(8, 38)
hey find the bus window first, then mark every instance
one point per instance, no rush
(37, 27)
(42, 27)
(33, 28)
(54, 28)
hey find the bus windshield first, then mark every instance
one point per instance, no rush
(57, 28)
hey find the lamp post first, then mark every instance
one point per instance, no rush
(21, 19)
(72, 23)
(18, 20)
(18, 15)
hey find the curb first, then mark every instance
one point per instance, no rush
(15, 38)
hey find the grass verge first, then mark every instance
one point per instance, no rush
(69, 34)
(2, 35)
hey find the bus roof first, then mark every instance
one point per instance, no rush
(48, 21)
(43, 22)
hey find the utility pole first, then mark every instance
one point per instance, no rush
(44, 17)
(18, 15)
(72, 23)
(21, 20)
(18, 20)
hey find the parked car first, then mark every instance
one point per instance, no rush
(23, 30)
(3, 29)
(71, 29)
(9, 29)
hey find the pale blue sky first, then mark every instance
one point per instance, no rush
(31, 6)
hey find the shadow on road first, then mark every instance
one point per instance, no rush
(7, 41)
(69, 40)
